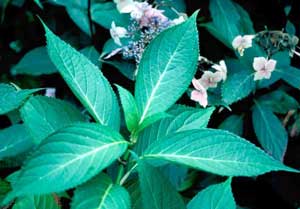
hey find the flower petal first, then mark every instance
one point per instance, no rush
(197, 85)
(237, 41)
(200, 97)
(259, 63)
(270, 65)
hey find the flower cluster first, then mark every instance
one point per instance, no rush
(146, 23)
(262, 66)
(208, 80)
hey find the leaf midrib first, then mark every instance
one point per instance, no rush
(152, 95)
(86, 99)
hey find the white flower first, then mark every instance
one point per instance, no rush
(241, 43)
(199, 94)
(221, 69)
(117, 33)
(125, 6)
(50, 92)
(210, 79)
(263, 68)
(179, 20)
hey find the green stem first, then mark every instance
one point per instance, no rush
(121, 168)
(125, 177)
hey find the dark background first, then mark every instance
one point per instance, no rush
(274, 190)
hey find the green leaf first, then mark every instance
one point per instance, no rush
(129, 108)
(100, 193)
(169, 6)
(291, 75)
(105, 13)
(134, 190)
(218, 196)
(150, 120)
(164, 61)
(93, 55)
(157, 192)
(226, 20)
(36, 62)
(14, 140)
(44, 115)
(127, 69)
(36, 202)
(85, 80)
(4, 189)
(279, 101)
(290, 28)
(214, 151)
(183, 119)
(11, 98)
(246, 25)
(69, 157)
(234, 124)
(269, 131)
(238, 85)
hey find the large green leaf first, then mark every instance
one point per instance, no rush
(234, 124)
(214, 151)
(11, 98)
(226, 21)
(44, 115)
(238, 85)
(134, 190)
(68, 158)
(105, 13)
(14, 140)
(85, 80)
(93, 55)
(36, 202)
(291, 75)
(129, 108)
(269, 131)
(157, 192)
(166, 60)
(279, 101)
(217, 196)
(35, 62)
(182, 119)
(100, 193)
(78, 11)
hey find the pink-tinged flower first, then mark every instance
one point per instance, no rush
(125, 6)
(117, 33)
(139, 9)
(50, 92)
(221, 69)
(199, 94)
(210, 79)
(240, 43)
(151, 13)
(263, 68)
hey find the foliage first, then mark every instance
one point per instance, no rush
(137, 138)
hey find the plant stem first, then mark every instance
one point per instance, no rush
(125, 177)
(121, 168)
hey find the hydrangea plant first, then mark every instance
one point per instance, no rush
(142, 148)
